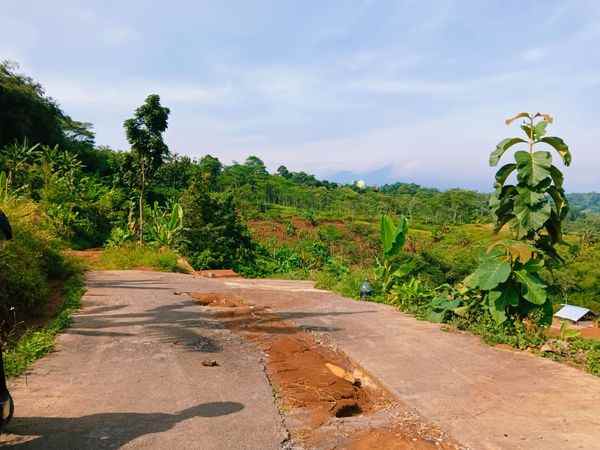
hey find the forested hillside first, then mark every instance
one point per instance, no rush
(148, 205)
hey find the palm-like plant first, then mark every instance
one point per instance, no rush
(389, 268)
(166, 224)
(16, 157)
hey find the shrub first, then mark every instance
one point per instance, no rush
(135, 256)
(29, 262)
(214, 234)
(36, 343)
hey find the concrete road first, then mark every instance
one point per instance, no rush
(486, 398)
(129, 374)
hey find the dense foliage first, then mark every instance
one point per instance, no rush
(66, 192)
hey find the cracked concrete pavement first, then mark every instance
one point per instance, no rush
(129, 373)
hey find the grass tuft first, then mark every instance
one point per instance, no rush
(37, 343)
(134, 256)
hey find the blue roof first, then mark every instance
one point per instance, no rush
(570, 312)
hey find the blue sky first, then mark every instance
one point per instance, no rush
(409, 90)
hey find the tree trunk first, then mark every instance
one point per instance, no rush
(142, 185)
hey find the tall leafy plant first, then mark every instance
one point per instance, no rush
(534, 206)
(166, 224)
(4, 185)
(390, 267)
(144, 132)
(16, 157)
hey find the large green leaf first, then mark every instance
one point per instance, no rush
(502, 147)
(545, 244)
(493, 269)
(534, 265)
(557, 176)
(502, 204)
(560, 146)
(439, 307)
(387, 233)
(528, 196)
(554, 228)
(510, 294)
(497, 305)
(533, 168)
(504, 172)
(392, 236)
(539, 130)
(405, 269)
(559, 198)
(533, 288)
(530, 218)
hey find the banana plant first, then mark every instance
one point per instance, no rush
(3, 187)
(16, 157)
(166, 224)
(534, 208)
(389, 268)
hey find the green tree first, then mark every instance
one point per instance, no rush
(210, 170)
(214, 235)
(256, 164)
(25, 110)
(535, 207)
(283, 171)
(144, 132)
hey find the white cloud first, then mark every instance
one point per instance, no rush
(131, 93)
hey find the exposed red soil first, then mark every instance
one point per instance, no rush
(587, 332)
(393, 439)
(353, 245)
(301, 370)
(263, 229)
(318, 387)
(591, 333)
(216, 299)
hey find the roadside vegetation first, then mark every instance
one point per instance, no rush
(39, 341)
(496, 265)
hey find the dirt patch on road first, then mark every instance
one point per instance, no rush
(327, 400)
(307, 378)
(217, 273)
(215, 299)
(393, 439)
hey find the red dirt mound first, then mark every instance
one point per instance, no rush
(217, 273)
(318, 387)
(216, 299)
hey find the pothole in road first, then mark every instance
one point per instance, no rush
(316, 386)
(349, 410)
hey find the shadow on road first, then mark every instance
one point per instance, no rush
(106, 430)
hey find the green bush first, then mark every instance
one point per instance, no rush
(593, 361)
(135, 256)
(29, 262)
(214, 235)
(347, 285)
(36, 343)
